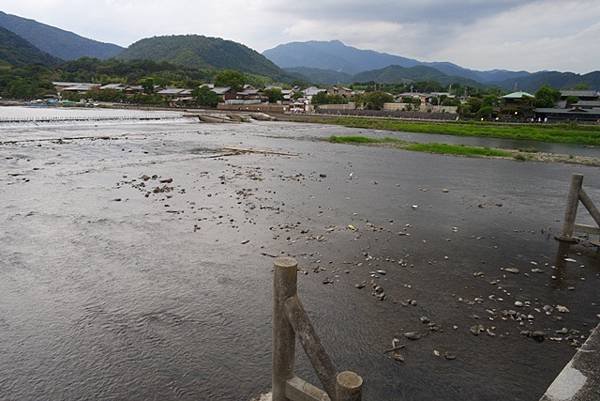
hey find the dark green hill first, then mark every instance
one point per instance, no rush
(202, 52)
(57, 42)
(16, 51)
(395, 74)
(320, 76)
(556, 79)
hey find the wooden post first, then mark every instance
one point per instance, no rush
(309, 339)
(571, 212)
(589, 205)
(349, 386)
(284, 339)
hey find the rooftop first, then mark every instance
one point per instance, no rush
(518, 95)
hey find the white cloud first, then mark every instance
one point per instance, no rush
(516, 34)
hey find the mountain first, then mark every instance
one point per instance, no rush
(319, 76)
(16, 51)
(332, 55)
(336, 56)
(397, 74)
(57, 42)
(201, 52)
(556, 79)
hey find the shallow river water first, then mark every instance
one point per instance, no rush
(113, 290)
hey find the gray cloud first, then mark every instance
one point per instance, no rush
(511, 34)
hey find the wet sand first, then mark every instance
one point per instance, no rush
(110, 289)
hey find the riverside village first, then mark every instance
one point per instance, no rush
(224, 201)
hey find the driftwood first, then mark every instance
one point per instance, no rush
(260, 151)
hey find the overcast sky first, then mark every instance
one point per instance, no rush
(484, 34)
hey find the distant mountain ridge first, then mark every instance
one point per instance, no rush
(201, 52)
(389, 75)
(332, 61)
(57, 42)
(16, 51)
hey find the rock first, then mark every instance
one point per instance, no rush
(512, 270)
(425, 320)
(382, 272)
(518, 304)
(415, 207)
(449, 356)
(564, 330)
(245, 242)
(562, 309)
(412, 335)
(538, 335)
(166, 181)
(323, 175)
(445, 190)
(328, 281)
(476, 329)
(398, 356)
(360, 286)
(117, 200)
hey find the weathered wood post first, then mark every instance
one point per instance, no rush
(284, 338)
(349, 386)
(571, 212)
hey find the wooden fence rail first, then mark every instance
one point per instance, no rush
(290, 321)
(577, 194)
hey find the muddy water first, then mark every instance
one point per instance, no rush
(109, 294)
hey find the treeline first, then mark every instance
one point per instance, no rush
(35, 81)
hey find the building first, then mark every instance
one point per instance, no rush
(580, 94)
(75, 87)
(570, 114)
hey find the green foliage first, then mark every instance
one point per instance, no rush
(485, 112)
(546, 96)
(324, 98)
(274, 95)
(375, 100)
(560, 133)
(201, 52)
(234, 79)
(571, 100)
(148, 85)
(205, 97)
(16, 51)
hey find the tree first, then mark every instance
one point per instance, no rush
(231, 78)
(485, 112)
(148, 85)
(546, 97)
(274, 95)
(324, 98)
(205, 97)
(376, 100)
(571, 100)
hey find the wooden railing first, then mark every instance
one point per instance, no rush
(577, 194)
(291, 321)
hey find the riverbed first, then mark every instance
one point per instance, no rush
(136, 263)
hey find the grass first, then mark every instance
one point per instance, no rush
(557, 133)
(441, 148)
(461, 150)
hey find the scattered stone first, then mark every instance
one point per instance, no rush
(382, 272)
(323, 175)
(166, 181)
(425, 320)
(562, 309)
(512, 270)
(245, 242)
(538, 336)
(412, 335)
(360, 286)
(477, 329)
(449, 356)
(518, 304)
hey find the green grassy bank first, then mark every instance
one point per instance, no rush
(567, 133)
